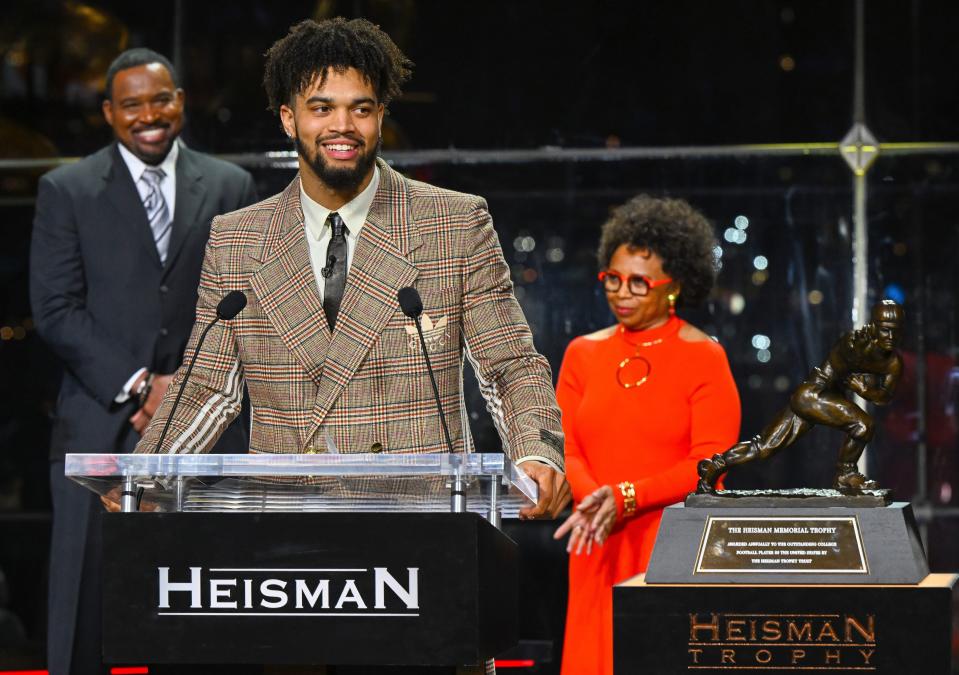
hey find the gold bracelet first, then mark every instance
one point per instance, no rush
(629, 498)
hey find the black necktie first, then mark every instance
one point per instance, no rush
(335, 270)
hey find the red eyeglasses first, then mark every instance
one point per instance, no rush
(637, 284)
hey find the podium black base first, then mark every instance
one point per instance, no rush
(699, 628)
(382, 589)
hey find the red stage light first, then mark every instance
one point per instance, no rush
(515, 663)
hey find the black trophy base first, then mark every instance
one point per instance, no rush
(696, 628)
(806, 497)
(778, 542)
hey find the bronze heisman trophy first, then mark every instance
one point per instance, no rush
(863, 362)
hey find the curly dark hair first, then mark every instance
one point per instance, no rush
(672, 229)
(311, 48)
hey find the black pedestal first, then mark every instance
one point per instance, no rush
(305, 589)
(698, 628)
(780, 542)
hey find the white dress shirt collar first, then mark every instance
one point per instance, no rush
(353, 213)
(137, 165)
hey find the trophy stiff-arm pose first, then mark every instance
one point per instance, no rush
(863, 362)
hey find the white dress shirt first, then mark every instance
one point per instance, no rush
(353, 213)
(167, 185)
(168, 188)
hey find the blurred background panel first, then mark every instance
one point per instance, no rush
(489, 74)
(557, 112)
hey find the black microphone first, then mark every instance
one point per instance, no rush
(231, 305)
(412, 306)
(410, 303)
(327, 271)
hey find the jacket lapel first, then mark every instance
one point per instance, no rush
(190, 195)
(380, 267)
(286, 287)
(122, 194)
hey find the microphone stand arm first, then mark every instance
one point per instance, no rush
(458, 494)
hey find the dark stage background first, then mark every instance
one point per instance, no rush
(555, 112)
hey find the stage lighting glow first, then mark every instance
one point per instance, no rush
(763, 355)
(555, 249)
(895, 292)
(524, 243)
(815, 297)
(737, 303)
(734, 236)
(741, 222)
(761, 341)
(760, 262)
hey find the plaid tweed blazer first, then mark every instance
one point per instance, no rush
(364, 387)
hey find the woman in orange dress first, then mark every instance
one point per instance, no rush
(643, 401)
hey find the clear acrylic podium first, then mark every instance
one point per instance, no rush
(488, 484)
(380, 559)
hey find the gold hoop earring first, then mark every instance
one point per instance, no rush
(672, 304)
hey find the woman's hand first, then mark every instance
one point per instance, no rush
(592, 520)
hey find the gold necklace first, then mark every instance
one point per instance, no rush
(637, 358)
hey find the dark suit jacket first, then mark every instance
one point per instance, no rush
(102, 300)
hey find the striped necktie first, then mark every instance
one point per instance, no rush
(158, 213)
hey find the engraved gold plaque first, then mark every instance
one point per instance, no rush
(781, 544)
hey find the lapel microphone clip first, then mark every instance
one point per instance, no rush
(327, 271)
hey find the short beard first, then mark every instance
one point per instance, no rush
(339, 180)
(152, 159)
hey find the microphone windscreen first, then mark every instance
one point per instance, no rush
(410, 301)
(231, 305)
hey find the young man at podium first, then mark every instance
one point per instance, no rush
(330, 360)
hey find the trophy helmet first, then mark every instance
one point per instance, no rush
(887, 311)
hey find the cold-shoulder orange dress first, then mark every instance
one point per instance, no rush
(652, 434)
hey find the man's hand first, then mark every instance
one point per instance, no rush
(111, 500)
(554, 492)
(160, 384)
(140, 420)
(142, 417)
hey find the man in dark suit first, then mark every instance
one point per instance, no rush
(118, 242)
